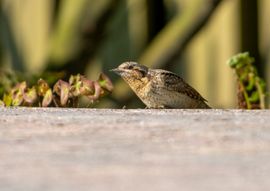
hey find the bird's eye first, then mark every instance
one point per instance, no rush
(130, 67)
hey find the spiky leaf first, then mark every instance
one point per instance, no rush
(47, 99)
(30, 96)
(97, 92)
(105, 82)
(17, 93)
(75, 84)
(7, 99)
(61, 88)
(42, 87)
(64, 93)
(87, 87)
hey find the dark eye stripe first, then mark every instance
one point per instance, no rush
(140, 71)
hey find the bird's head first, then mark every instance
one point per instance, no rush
(133, 70)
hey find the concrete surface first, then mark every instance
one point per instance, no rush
(88, 149)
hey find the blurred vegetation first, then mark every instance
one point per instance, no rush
(251, 88)
(63, 94)
(53, 39)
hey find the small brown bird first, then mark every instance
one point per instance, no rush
(160, 88)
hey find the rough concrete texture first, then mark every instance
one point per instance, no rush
(89, 149)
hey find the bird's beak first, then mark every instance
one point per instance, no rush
(117, 71)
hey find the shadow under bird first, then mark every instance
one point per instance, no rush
(159, 88)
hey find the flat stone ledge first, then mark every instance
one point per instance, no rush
(141, 149)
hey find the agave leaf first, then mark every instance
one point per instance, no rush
(97, 92)
(42, 87)
(19, 87)
(17, 93)
(74, 79)
(62, 89)
(7, 99)
(30, 96)
(75, 89)
(17, 98)
(64, 93)
(57, 88)
(47, 99)
(87, 87)
(75, 84)
(71, 79)
(105, 82)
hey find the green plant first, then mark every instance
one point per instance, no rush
(251, 88)
(63, 94)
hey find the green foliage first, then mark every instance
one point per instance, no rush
(251, 88)
(241, 60)
(63, 94)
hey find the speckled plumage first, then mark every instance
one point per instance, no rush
(160, 88)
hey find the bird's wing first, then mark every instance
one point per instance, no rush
(173, 82)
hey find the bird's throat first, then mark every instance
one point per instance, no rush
(137, 84)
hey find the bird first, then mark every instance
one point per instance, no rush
(160, 89)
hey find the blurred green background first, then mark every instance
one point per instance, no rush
(193, 38)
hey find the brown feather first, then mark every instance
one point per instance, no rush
(174, 82)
